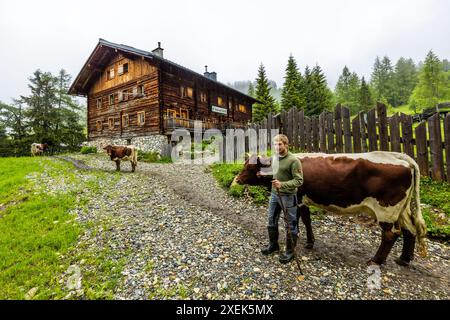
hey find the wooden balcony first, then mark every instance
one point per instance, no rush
(170, 124)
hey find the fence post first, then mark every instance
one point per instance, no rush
(308, 134)
(382, 126)
(356, 132)
(330, 133)
(295, 127)
(447, 143)
(338, 128)
(372, 130)
(315, 134)
(362, 126)
(422, 149)
(394, 133)
(290, 116)
(406, 121)
(434, 129)
(347, 132)
(301, 129)
(322, 132)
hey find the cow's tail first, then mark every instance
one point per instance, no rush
(416, 211)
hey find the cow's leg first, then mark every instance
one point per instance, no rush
(133, 166)
(387, 241)
(409, 242)
(305, 214)
(117, 165)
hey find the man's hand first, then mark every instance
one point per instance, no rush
(276, 184)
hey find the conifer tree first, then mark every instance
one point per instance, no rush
(251, 89)
(433, 85)
(291, 94)
(347, 90)
(262, 92)
(365, 98)
(405, 79)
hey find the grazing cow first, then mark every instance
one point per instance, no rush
(38, 148)
(118, 153)
(382, 184)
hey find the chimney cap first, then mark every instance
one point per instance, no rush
(206, 68)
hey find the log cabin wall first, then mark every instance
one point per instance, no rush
(185, 94)
(126, 89)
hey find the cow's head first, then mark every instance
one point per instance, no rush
(44, 146)
(108, 149)
(249, 175)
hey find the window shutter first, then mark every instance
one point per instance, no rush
(120, 95)
(135, 91)
(120, 69)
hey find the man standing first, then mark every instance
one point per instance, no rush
(286, 179)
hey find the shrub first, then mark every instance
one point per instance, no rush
(152, 157)
(86, 150)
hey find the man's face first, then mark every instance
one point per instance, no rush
(280, 147)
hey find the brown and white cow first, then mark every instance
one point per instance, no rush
(125, 153)
(382, 184)
(38, 148)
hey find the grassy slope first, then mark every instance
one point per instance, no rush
(36, 228)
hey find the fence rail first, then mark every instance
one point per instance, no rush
(335, 132)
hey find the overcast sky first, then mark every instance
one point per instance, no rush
(231, 37)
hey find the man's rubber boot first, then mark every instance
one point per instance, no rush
(287, 256)
(273, 242)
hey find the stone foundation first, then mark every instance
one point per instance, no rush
(151, 143)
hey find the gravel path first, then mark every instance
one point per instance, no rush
(182, 236)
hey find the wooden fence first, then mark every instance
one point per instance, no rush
(335, 132)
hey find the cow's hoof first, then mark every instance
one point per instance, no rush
(402, 262)
(309, 245)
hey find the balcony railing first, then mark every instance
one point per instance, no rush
(171, 124)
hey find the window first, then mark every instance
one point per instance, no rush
(99, 103)
(123, 95)
(111, 74)
(123, 68)
(184, 113)
(141, 118)
(111, 123)
(203, 97)
(190, 92)
(219, 101)
(242, 108)
(171, 113)
(140, 90)
(111, 99)
(99, 125)
(186, 92)
(125, 120)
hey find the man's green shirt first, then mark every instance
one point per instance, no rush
(290, 174)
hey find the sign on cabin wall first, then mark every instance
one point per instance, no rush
(219, 110)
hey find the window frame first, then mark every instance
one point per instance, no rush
(99, 105)
(111, 127)
(109, 72)
(125, 120)
(139, 118)
(113, 99)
